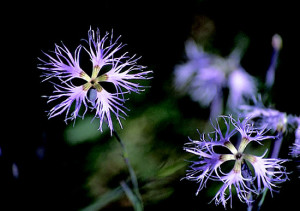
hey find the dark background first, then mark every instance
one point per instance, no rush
(156, 31)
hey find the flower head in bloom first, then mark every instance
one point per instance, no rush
(266, 173)
(107, 67)
(205, 75)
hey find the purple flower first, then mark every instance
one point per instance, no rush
(123, 71)
(201, 76)
(267, 172)
(241, 86)
(204, 76)
(266, 117)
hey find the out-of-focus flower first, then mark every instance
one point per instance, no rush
(189, 79)
(241, 86)
(65, 66)
(205, 75)
(267, 172)
(266, 117)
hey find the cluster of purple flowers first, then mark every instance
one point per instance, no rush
(203, 77)
(103, 53)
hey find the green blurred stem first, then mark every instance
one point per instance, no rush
(105, 199)
(138, 204)
(262, 199)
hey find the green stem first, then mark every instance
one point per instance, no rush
(133, 177)
(138, 206)
(262, 199)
